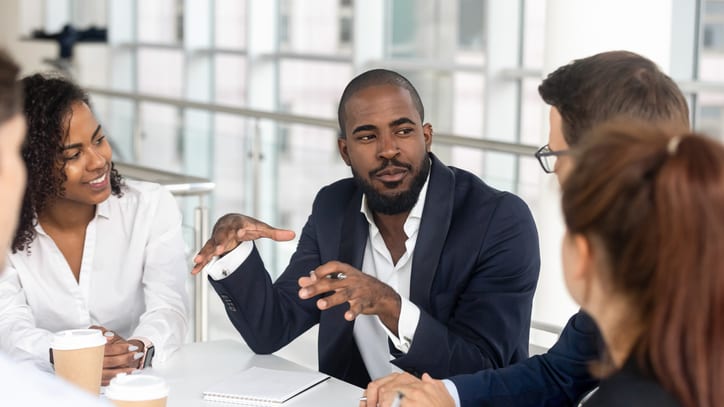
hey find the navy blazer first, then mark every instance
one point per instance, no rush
(474, 272)
(559, 377)
(632, 385)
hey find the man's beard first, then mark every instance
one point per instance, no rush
(398, 203)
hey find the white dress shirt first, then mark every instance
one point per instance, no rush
(132, 278)
(369, 332)
(452, 390)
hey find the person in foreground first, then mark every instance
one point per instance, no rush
(90, 250)
(582, 94)
(22, 385)
(414, 265)
(642, 255)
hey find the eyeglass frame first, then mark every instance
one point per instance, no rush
(546, 151)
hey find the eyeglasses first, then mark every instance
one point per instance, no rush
(547, 158)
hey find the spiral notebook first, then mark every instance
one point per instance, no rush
(258, 386)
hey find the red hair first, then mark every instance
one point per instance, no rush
(656, 203)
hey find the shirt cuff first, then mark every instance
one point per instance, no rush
(406, 326)
(222, 267)
(453, 390)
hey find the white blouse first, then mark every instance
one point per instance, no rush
(132, 278)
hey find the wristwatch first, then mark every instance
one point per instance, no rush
(148, 351)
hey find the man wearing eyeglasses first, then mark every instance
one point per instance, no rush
(582, 94)
(547, 157)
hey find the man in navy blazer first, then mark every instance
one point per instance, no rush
(582, 94)
(414, 265)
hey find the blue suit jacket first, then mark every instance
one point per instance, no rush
(632, 385)
(474, 272)
(557, 378)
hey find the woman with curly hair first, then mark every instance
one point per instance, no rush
(21, 383)
(91, 249)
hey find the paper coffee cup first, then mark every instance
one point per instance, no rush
(137, 390)
(78, 357)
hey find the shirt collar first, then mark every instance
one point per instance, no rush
(103, 210)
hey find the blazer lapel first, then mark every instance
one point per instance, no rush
(436, 218)
(337, 333)
(353, 238)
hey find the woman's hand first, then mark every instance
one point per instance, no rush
(120, 355)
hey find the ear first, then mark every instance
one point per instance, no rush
(576, 255)
(427, 134)
(587, 271)
(342, 146)
(582, 270)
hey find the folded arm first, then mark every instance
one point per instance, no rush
(559, 377)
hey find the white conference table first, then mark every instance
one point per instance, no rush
(197, 366)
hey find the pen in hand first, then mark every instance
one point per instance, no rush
(395, 403)
(332, 276)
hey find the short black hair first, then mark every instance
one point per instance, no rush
(610, 85)
(376, 77)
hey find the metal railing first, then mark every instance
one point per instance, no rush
(536, 347)
(442, 138)
(546, 327)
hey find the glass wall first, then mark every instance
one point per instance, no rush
(710, 102)
(476, 63)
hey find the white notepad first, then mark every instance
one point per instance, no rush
(258, 386)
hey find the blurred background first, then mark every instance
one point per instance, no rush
(233, 102)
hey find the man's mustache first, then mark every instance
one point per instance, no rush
(393, 162)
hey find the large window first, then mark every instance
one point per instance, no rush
(713, 26)
(710, 101)
(476, 63)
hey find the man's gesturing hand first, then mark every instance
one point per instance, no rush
(365, 294)
(232, 229)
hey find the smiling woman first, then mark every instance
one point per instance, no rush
(55, 109)
(91, 249)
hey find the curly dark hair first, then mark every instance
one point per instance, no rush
(48, 103)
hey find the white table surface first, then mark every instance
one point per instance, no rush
(197, 366)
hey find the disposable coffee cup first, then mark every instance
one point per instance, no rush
(78, 357)
(137, 390)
